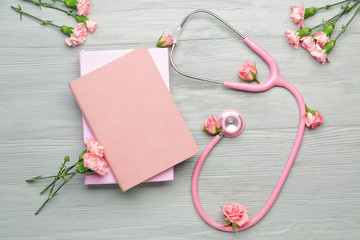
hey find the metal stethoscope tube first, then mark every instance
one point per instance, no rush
(177, 34)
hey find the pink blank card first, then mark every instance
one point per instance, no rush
(91, 60)
(130, 111)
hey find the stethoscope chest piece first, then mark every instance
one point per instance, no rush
(232, 123)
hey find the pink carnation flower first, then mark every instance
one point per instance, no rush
(165, 41)
(320, 54)
(321, 38)
(83, 7)
(94, 147)
(236, 213)
(78, 35)
(292, 38)
(313, 120)
(308, 43)
(212, 126)
(91, 26)
(297, 16)
(96, 163)
(248, 71)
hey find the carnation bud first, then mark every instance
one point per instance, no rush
(303, 32)
(82, 19)
(212, 126)
(329, 29)
(71, 3)
(313, 118)
(67, 30)
(328, 47)
(165, 41)
(310, 11)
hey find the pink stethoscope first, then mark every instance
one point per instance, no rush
(232, 122)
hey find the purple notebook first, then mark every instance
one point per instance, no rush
(91, 60)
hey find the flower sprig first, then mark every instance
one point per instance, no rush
(76, 35)
(43, 22)
(90, 161)
(299, 14)
(318, 44)
(91, 25)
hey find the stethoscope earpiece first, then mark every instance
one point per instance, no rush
(232, 123)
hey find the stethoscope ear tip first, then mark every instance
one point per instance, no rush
(231, 122)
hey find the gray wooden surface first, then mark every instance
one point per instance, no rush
(40, 123)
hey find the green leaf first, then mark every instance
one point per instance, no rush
(81, 168)
(81, 155)
(228, 222)
(160, 43)
(33, 179)
(89, 171)
(217, 130)
(161, 36)
(235, 226)
(207, 131)
(254, 75)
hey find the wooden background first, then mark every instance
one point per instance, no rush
(40, 123)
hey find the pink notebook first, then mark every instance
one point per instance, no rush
(91, 60)
(132, 114)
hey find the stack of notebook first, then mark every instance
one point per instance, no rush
(127, 107)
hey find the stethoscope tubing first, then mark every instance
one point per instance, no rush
(274, 80)
(278, 186)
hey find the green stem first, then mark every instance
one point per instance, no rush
(55, 180)
(327, 21)
(40, 178)
(346, 9)
(48, 186)
(71, 167)
(61, 174)
(65, 181)
(343, 11)
(345, 27)
(62, 168)
(44, 22)
(331, 5)
(38, 2)
(43, 205)
(54, 194)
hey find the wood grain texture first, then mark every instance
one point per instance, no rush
(40, 123)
